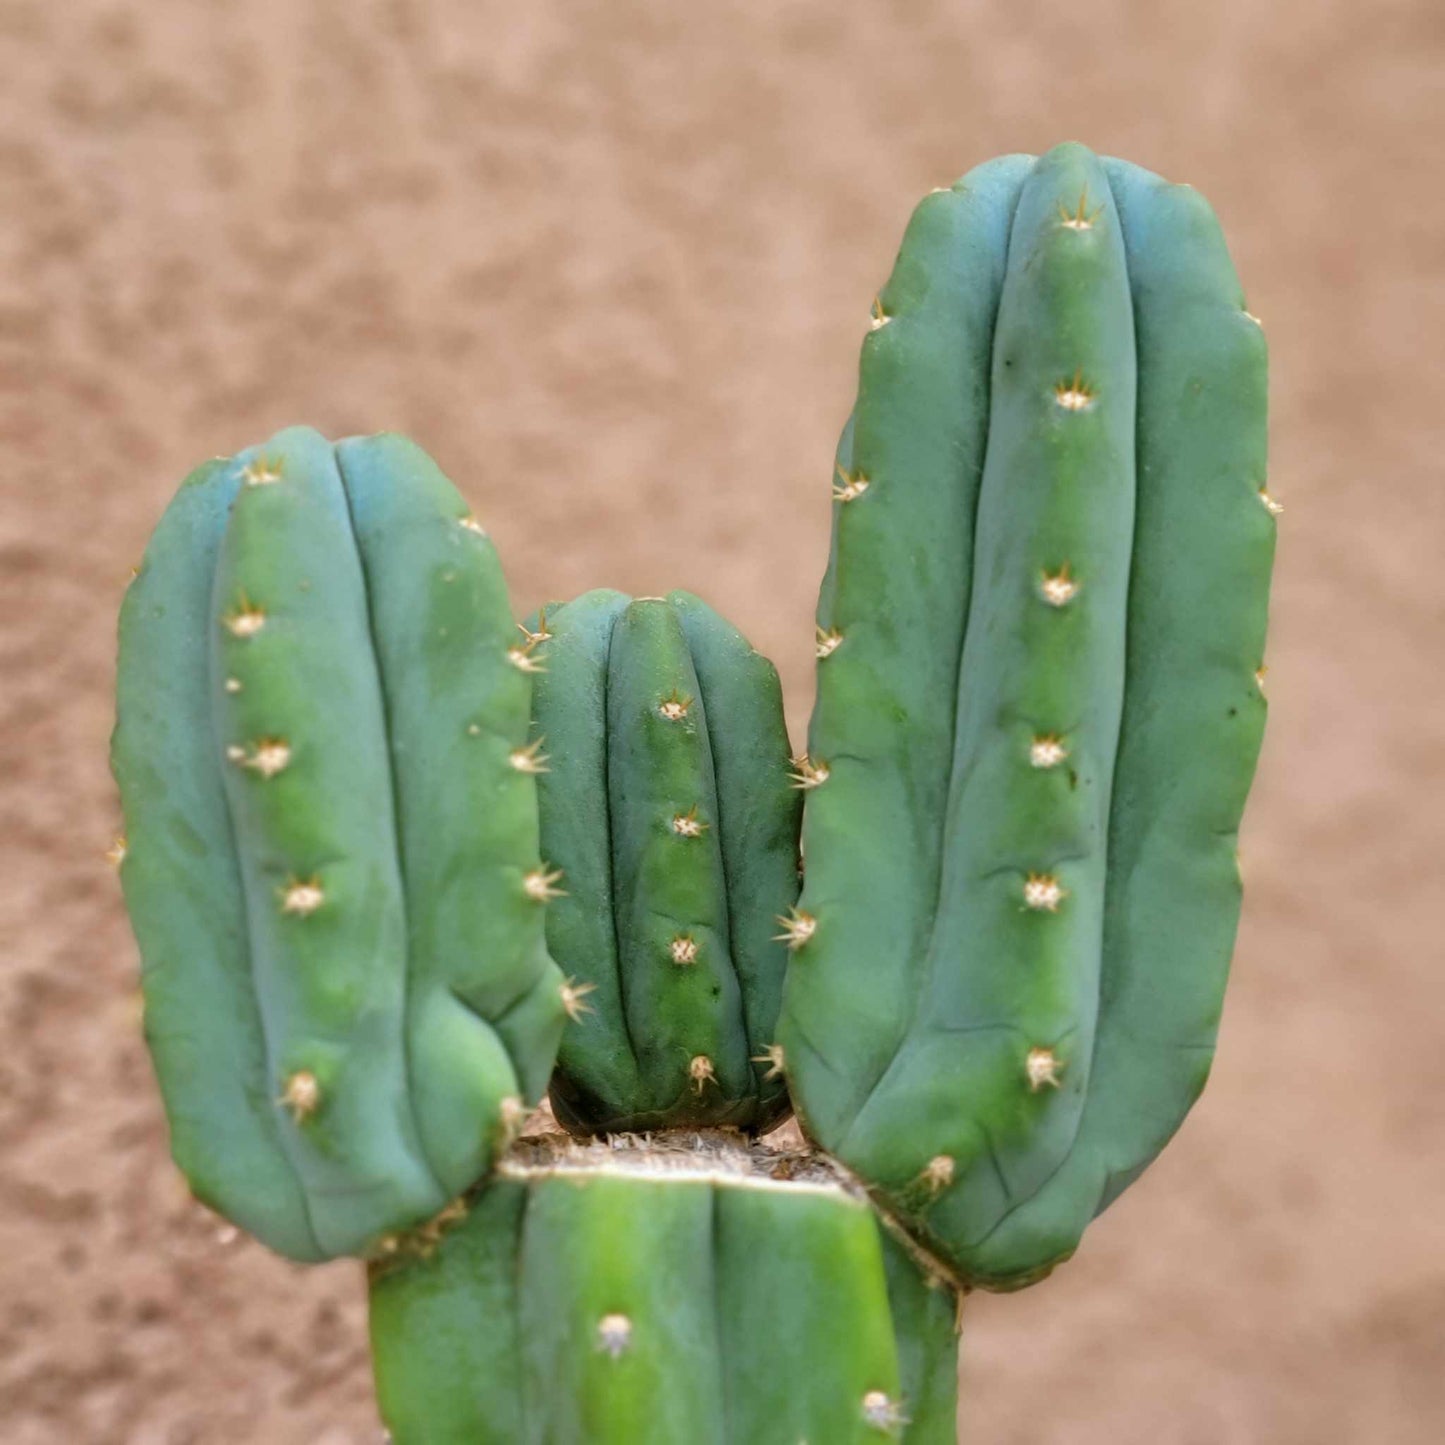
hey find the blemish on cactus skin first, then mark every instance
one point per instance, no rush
(614, 1335)
(1042, 1069)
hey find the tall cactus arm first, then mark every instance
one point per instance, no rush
(1038, 640)
(346, 988)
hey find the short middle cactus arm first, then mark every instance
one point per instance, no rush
(668, 808)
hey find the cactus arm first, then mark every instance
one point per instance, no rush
(181, 882)
(483, 991)
(759, 815)
(1024, 845)
(1194, 712)
(380, 926)
(1006, 1042)
(667, 806)
(891, 627)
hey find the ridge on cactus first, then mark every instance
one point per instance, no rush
(667, 803)
(1044, 614)
(347, 991)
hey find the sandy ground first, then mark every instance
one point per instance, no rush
(610, 263)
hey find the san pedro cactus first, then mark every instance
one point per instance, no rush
(1039, 704)
(696, 1291)
(364, 814)
(667, 808)
(332, 858)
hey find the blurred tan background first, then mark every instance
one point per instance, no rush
(610, 262)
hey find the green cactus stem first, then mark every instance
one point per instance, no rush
(331, 852)
(668, 807)
(705, 1291)
(1039, 639)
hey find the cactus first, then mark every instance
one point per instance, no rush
(1039, 701)
(616, 1294)
(1039, 707)
(332, 856)
(667, 808)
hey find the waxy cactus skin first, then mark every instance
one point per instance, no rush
(1040, 635)
(686, 1293)
(329, 845)
(671, 809)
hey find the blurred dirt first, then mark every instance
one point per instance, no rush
(610, 263)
